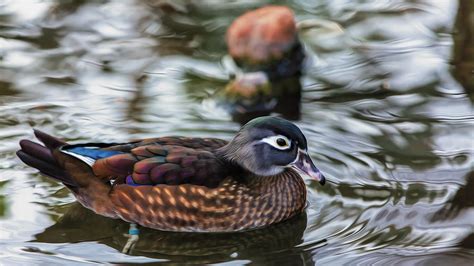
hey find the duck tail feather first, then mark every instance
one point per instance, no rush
(41, 158)
(48, 140)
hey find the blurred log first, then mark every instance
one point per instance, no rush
(463, 58)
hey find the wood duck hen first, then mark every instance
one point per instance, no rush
(186, 184)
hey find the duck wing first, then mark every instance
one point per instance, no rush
(205, 144)
(155, 164)
(166, 160)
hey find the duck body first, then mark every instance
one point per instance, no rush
(174, 183)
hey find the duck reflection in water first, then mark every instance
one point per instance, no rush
(74, 226)
(268, 58)
(283, 97)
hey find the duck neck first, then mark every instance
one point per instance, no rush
(286, 189)
(288, 179)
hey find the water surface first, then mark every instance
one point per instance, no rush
(386, 105)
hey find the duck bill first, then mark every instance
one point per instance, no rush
(304, 163)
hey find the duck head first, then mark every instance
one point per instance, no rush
(266, 146)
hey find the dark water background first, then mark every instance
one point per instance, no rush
(386, 106)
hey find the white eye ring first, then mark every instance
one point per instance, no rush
(273, 141)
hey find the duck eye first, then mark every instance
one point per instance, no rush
(281, 142)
